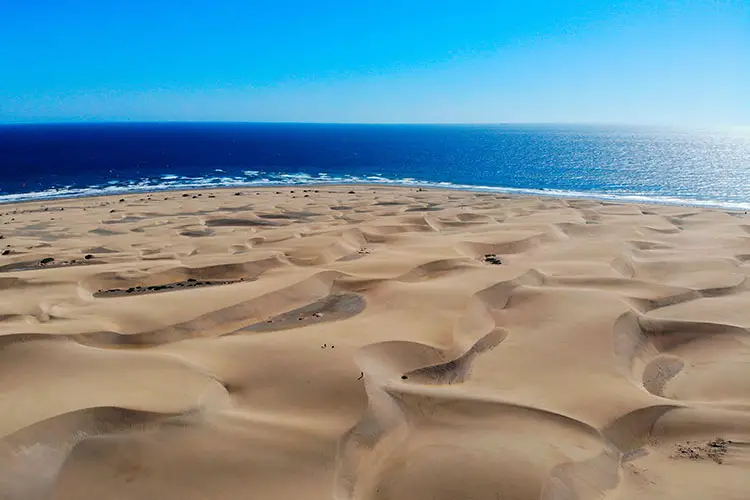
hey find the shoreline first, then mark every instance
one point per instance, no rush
(510, 192)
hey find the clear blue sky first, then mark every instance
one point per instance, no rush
(657, 61)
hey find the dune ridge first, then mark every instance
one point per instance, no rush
(372, 343)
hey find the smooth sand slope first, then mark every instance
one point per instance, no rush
(372, 343)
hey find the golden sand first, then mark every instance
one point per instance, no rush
(372, 343)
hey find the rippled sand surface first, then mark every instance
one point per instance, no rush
(372, 343)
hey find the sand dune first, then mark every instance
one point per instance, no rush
(372, 343)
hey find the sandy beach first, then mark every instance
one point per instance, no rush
(372, 343)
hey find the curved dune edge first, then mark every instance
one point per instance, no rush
(32, 457)
(372, 343)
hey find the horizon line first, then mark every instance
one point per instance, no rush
(279, 122)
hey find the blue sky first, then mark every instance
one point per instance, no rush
(591, 61)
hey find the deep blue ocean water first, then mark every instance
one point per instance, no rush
(631, 164)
